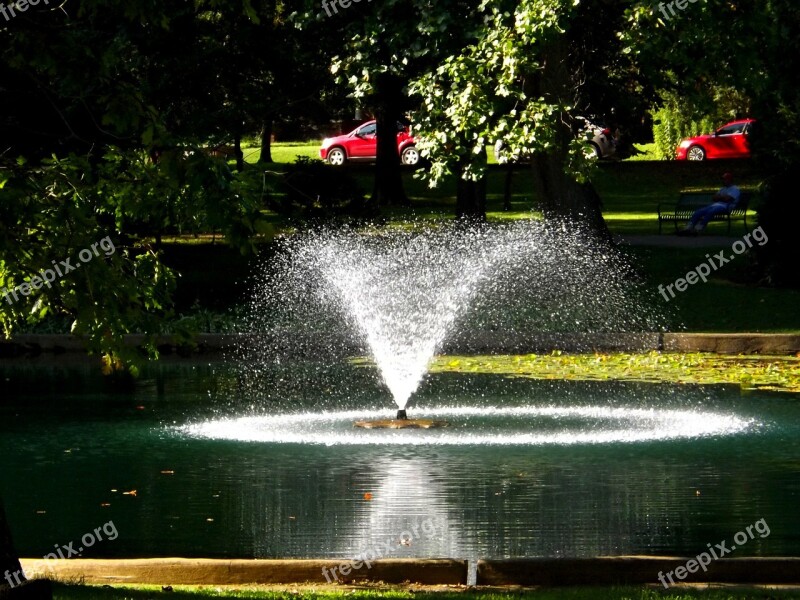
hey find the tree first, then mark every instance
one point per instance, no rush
(516, 83)
(9, 562)
(11, 574)
(100, 148)
(389, 44)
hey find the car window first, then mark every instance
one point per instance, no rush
(731, 129)
(367, 129)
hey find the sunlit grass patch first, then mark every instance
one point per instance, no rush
(777, 373)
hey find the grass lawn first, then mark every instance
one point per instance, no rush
(631, 190)
(82, 592)
(285, 152)
(721, 304)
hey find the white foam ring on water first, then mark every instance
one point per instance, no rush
(335, 428)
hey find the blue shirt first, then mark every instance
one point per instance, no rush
(732, 191)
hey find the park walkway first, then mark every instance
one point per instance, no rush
(674, 241)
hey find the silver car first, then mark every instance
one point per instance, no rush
(602, 144)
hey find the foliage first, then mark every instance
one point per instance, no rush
(750, 372)
(98, 144)
(673, 121)
(49, 215)
(479, 95)
(402, 38)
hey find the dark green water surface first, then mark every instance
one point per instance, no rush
(72, 444)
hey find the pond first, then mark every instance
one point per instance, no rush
(183, 466)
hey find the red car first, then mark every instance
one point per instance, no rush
(361, 145)
(729, 141)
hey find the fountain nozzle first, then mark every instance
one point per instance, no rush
(401, 415)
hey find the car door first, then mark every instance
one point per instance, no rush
(726, 141)
(364, 143)
(742, 149)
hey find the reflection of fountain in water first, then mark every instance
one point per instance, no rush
(400, 295)
(406, 511)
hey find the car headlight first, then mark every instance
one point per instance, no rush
(685, 144)
(325, 142)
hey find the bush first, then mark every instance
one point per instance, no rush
(671, 125)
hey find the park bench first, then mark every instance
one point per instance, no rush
(688, 202)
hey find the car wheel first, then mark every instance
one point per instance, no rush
(410, 156)
(596, 149)
(696, 153)
(336, 157)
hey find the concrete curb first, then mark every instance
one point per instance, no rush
(629, 570)
(603, 571)
(204, 571)
(214, 345)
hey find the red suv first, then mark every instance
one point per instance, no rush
(729, 141)
(361, 145)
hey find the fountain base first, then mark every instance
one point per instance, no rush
(401, 424)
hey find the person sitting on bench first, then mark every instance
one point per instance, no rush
(725, 200)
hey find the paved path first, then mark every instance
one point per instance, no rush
(670, 240)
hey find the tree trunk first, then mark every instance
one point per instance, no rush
(562, 197)
(10, 569)
(388, 187)
(237, 151)
(471, 199)
(507, 187)
(266, 142)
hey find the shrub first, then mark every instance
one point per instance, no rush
(671, 125)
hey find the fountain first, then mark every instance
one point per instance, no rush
(258, 457)
(404, 294)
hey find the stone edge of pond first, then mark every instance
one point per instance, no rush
(205, 571)
(215, 345)
(602, 571)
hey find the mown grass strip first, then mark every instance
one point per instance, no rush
(85, 592)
